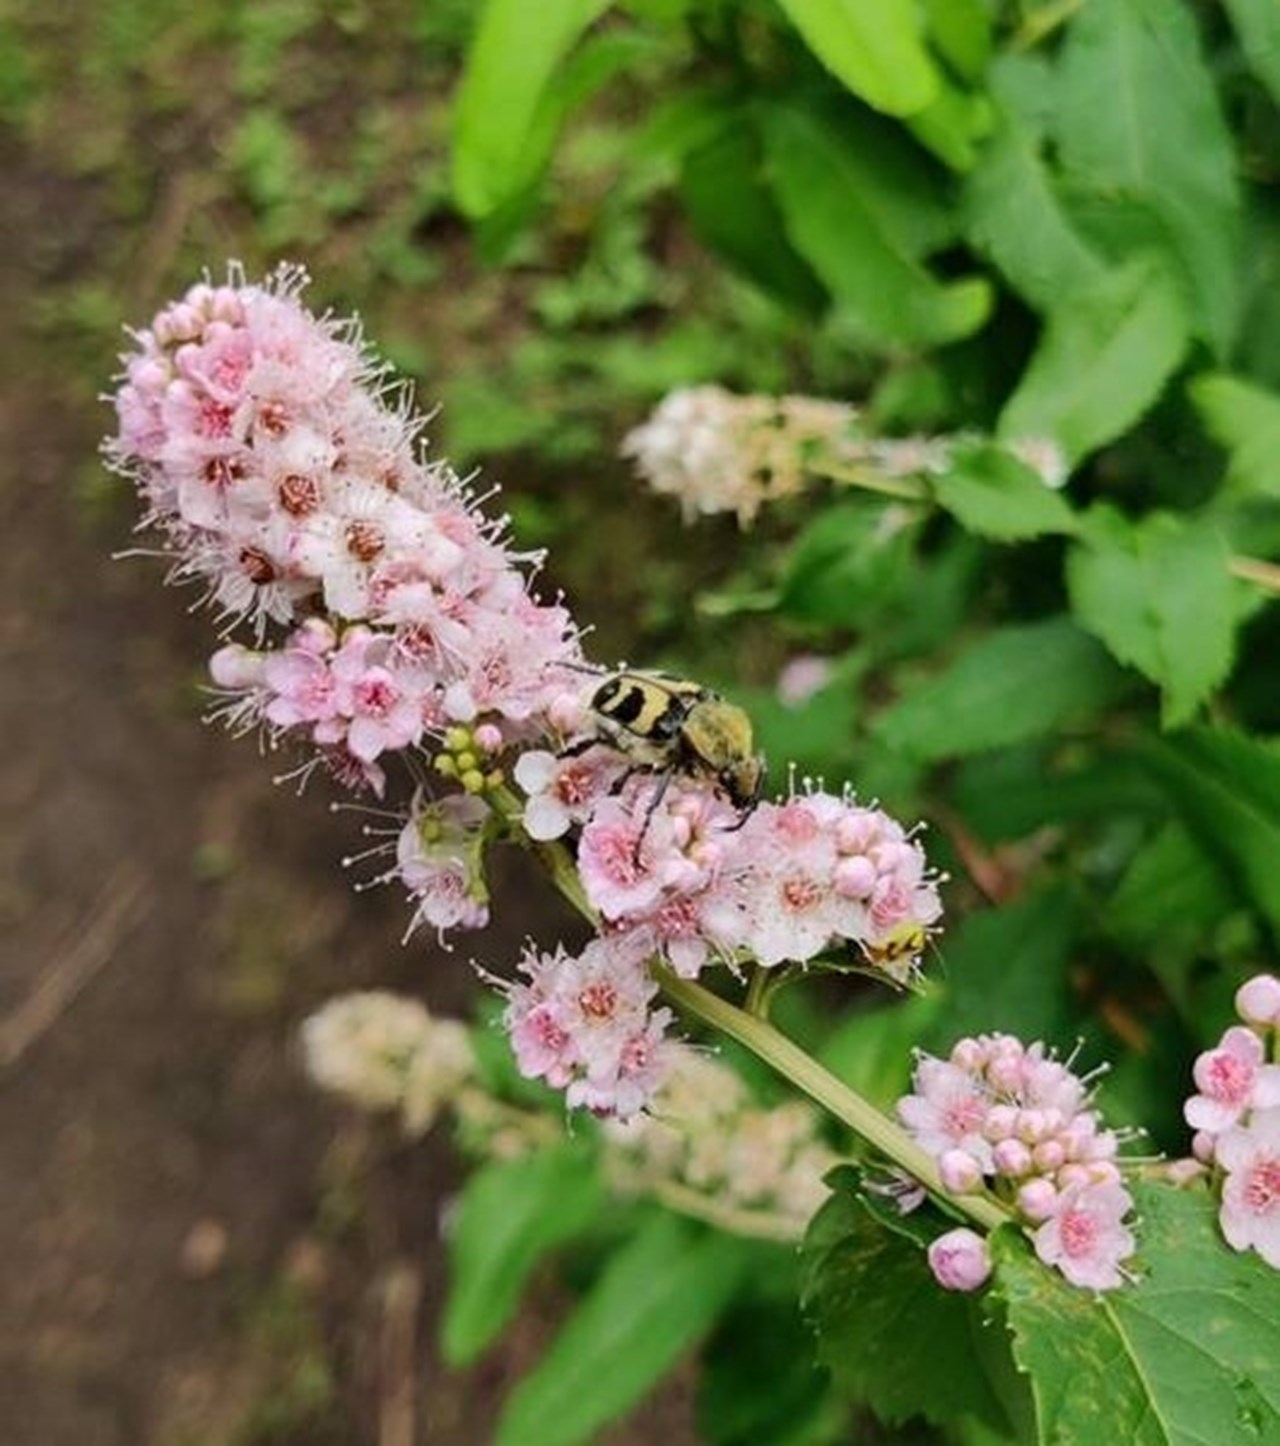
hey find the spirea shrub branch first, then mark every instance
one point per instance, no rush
(372, 613)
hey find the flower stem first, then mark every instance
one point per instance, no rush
(762, 1039)
(909, 488)
(823, 1087)
(757, 1001)
(1264, 574)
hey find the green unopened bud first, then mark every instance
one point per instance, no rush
(473, 781)
(495, 778)
(456, 739)
(467, 761)
(445, 764)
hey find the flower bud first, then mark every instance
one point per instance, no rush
(855, 877)
(1202, 1146)
(1258, 1000)
(236, 666)
(1012, 1158)
(1049, 1156)
(488, 738)
(960, 1172)
(1037, 1200)
(967, 1054)
(1001, 1122)
(960, 1260)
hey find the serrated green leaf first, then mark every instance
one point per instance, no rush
(994, 494)
(881, 291)
(1187, 1357)
(874, 47)
(509, 1215)
(890, 1337)
(516, 50)
(733, 212)
(1006, 968)
(1104, 358)
(1227, 787)
(1014, 216)
(1016, 683)
(1159, 595)
(1245, 419)
(1138, 119)
(1257, 22)
(846, 565)
(656, 1297)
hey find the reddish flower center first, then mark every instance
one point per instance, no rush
(299, 495)
(963, 1116)
(1230, 1078)
(376, 696)
(1079, 1232)
(573, 787)
(800, 893)
(365, 539)
(598, 1001)
(214, 419)
(1262, 1188)
(273, 418)
(257, 565)
(221, 472)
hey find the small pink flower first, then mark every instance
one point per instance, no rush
(960, 1260)
(562, 792)
(1231, 1078)
(1085, 1237)
(1250, 1214)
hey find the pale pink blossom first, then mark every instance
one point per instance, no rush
(1231, 1078)
(561, 791)
(1085, 1237)
(439, 860)
(1258, 1000)
(1250, 1214)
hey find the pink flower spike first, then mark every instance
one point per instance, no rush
(1250, 1214)
(1085, 1237)
(1258, 1000)
(960, 1260)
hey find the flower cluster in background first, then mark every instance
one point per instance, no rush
(715, 451)
(705, 1133)
(1011, 1116)
(1235, 1113)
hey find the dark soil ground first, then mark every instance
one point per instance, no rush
(199, 1249)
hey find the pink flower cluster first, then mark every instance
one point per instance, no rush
(1236, 1116)
(284, 473)
(1012, 1116)
(585, 1026)
(682, 874)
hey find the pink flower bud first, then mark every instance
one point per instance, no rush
(967, 1054)
(1005, 1072)
(855, 877)
(488, 737)
(1000, 1123)
(1183, 1172)
(960, 1260)
(1202, 1146)
(1012, 1158)
(1072, 1175)
(1049, 1156)
(1031, 1126)
(1258, 1000)
(1037, 1200)
(236, 666)
(960, 1172)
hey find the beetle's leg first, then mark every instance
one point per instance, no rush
(664, 782)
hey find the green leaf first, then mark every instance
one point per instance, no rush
(1188, 1356)
(1104, 358)
(846, 566)
(1227, 787)
(873, 46)
(511, 1213)
(1159, 595)
(1013, 215)
(516, 50)
(1006, 968)
(1016, 683)
(1245, 419)
(733, 212)
(1138, 120)
(961, 34)
(1258, 24)
(994, 494)
(890, 1337)
(1171, 889)
(953, 125)
(882, 292)
(656, 1297)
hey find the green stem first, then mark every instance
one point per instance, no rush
(1251, 569)
(759, 1224)
(757, 1035)
(1041, 23)
(757, 1001)
(823, 1087)
(911, 489)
